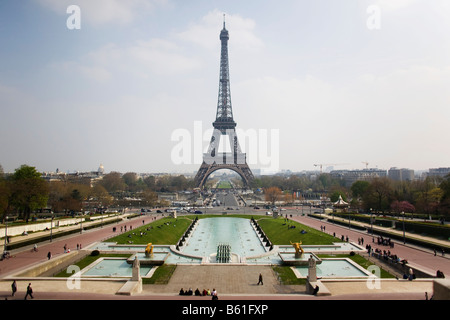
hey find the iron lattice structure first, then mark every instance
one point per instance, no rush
(224, 126)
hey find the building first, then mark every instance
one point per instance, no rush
(440, 172)
(90, 176)
(402, 174)
(351, 176)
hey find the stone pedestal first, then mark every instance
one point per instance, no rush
(136, 273)
(312, 272)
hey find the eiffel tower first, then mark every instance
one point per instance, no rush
(224, 126)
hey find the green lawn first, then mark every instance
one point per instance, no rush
(162, 275)
(281, 232)
(224, 185)
(164, 231)
(169, 231)
(287, 277)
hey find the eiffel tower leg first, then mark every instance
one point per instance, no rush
(201, 176)
(206, 169)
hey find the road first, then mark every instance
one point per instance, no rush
(227, 199)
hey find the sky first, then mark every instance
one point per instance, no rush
(133, 85)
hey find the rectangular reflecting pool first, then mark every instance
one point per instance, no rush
(110, 267)
(237, 232)
(335, 268)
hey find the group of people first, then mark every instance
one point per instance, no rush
(384, 254)
(384, 241)
(28, 293)
(205, 292)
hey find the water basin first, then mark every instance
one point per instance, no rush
(335, 268)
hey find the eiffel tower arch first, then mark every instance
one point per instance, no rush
(224, 125)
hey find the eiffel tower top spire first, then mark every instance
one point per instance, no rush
(224, 116)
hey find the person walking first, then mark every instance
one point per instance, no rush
(260, 279)
(29, 292)
(14, 288)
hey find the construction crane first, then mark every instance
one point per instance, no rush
(329, 164)
(366, 163)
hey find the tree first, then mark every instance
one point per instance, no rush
(445, 199)
(358, 188)
(402, 206)
(272, 194)
(113, 182)
(378, 195)
(334, 196)
(149, 197)
(4, 193)
(101, 196)
(28, 190)
(428, 195)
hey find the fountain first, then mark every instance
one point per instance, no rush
(149, 251)
(223, 253)
(298, 249)
(299, 258)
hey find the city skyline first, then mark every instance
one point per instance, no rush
(343, 83)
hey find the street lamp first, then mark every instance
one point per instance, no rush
(348, 220)
(51, 228)
(371, 221)
(404, 240)
(6, 234)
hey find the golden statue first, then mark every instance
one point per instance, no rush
(298, 248)
(149, 250)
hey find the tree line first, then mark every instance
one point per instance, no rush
(428, 196)
(25, 191)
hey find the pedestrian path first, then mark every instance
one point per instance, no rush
(45, 234)
(24, 257)
(418, 256)
(437, 242)
(225, 279)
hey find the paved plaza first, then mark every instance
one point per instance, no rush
(231, 281)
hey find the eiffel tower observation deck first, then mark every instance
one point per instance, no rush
(224, 125)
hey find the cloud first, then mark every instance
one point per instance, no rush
(142, 59)
(99, 12)
(163, 56)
